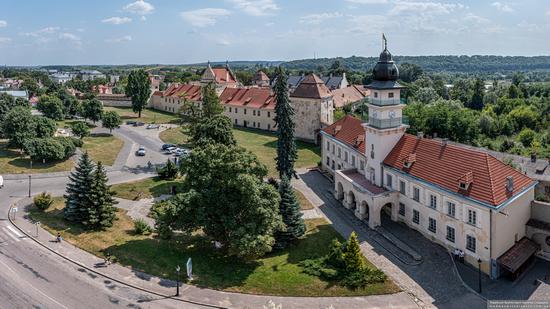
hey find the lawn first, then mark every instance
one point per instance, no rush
(103, 147)
(263, 144)
(146, 188)
(275, 274)
(147, 115)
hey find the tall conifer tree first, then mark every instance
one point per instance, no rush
(286, 146)
(289, 209)
(101, 211)
(77, 197)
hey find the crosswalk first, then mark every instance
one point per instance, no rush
(10, 235)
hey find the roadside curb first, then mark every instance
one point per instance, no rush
(462, 281)
(100, 273)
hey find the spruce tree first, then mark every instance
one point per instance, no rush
(210, 102)
(286, 146)
(77, 199)
(101, 211)
(353, 258)
(289, 209)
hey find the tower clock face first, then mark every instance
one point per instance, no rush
(392, 114)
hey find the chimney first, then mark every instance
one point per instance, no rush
(510, 184)
(435, 134)
(444, 142)
(533, 157)
(420, 134)
(227, 75)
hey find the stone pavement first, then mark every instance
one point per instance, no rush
(191, 294)
(432, 283)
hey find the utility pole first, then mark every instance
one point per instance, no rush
(30, 185)
(178, 280)
(479, 275)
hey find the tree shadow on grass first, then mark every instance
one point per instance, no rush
(160, 257)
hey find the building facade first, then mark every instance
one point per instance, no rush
(250, 107)
(456, 196)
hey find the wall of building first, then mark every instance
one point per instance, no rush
(310, 116)
(540, 211)
(543, 189)
(509, 223)
(263, 119)
(336, 155)
(459, 222)
(168, 104)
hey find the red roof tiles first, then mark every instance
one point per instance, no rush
(249, 97)
(446, 165)
(185, 91)
(224, 75)
(348, 95)
(312, 87)
(349, 131)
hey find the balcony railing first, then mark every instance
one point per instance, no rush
(386, 102)
(388, 123)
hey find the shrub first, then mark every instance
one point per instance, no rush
(141, 227)
(43, 201)
(169, 171)
(319, 268)
(358, 279)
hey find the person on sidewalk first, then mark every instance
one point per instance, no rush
(58, 237)
(461, 256)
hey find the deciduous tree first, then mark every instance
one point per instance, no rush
(111, 120)
(139, 89)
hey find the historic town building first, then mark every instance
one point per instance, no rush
(313, 108)
(457, 196)
(171, 100)
(221, 77)
(250, 107)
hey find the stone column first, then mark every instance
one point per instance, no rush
(374, 215)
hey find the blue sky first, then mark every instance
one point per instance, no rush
(38, 32)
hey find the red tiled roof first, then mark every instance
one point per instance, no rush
(445, 165)
(249, 97)
(312, 87)
(261, 76)
(224, 75)
(349, 131)
(185, 91)
(345, 96)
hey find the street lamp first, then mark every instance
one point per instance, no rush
(30, 185)
(178, 280)
(37, 223)
(479, 275)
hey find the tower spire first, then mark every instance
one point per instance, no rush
(385, 41)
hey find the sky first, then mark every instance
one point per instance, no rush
(72, 32)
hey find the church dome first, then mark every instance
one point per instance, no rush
(385, 69)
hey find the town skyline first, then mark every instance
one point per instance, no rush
(156, 31)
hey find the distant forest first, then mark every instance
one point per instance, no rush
(451, 64)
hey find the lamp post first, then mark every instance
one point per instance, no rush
(178, 280)
(479, 275)
(30, 185)
(37, 224)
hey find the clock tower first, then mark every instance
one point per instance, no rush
(386, 123)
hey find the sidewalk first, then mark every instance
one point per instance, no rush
(190, 293)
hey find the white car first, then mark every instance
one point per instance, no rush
(180, 152)
(170, 149)
(1, 182)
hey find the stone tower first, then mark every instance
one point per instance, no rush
(385, 126)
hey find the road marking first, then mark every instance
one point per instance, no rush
(10, 235)
(15, 231)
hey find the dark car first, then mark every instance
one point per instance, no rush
(139, 124)
(130, 122)
(166, 146)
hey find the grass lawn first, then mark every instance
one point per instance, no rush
(146, 188)
(103, 147)
(275, 274)
(147, 115)
(263, 144)
(305, 204)
(100, 147)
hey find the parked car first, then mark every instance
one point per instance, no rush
(152, 126)
(140, 153)
(170, 149)
(139, 124)
(166, 146)
(130, 122)
(1, 182)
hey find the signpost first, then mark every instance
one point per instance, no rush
(189, 269)
(178, 280)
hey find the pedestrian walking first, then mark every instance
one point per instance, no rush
(58, 237)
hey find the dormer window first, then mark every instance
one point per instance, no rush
(336, 130)
(409, 160)
(465, 181)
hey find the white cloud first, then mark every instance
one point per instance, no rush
(424, 8)
(223, 42)
(4, 40)
(3, 23)
(367, 1)
(72, 38)
(315, 19)
(43, 31)
(503, 7)
(204, 17)
(256, 7)
(548, 13)
(126, 38)
(140, 7)
(117, 20)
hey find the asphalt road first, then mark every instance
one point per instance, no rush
(32, 277)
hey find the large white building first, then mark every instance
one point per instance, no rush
(456, 196)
